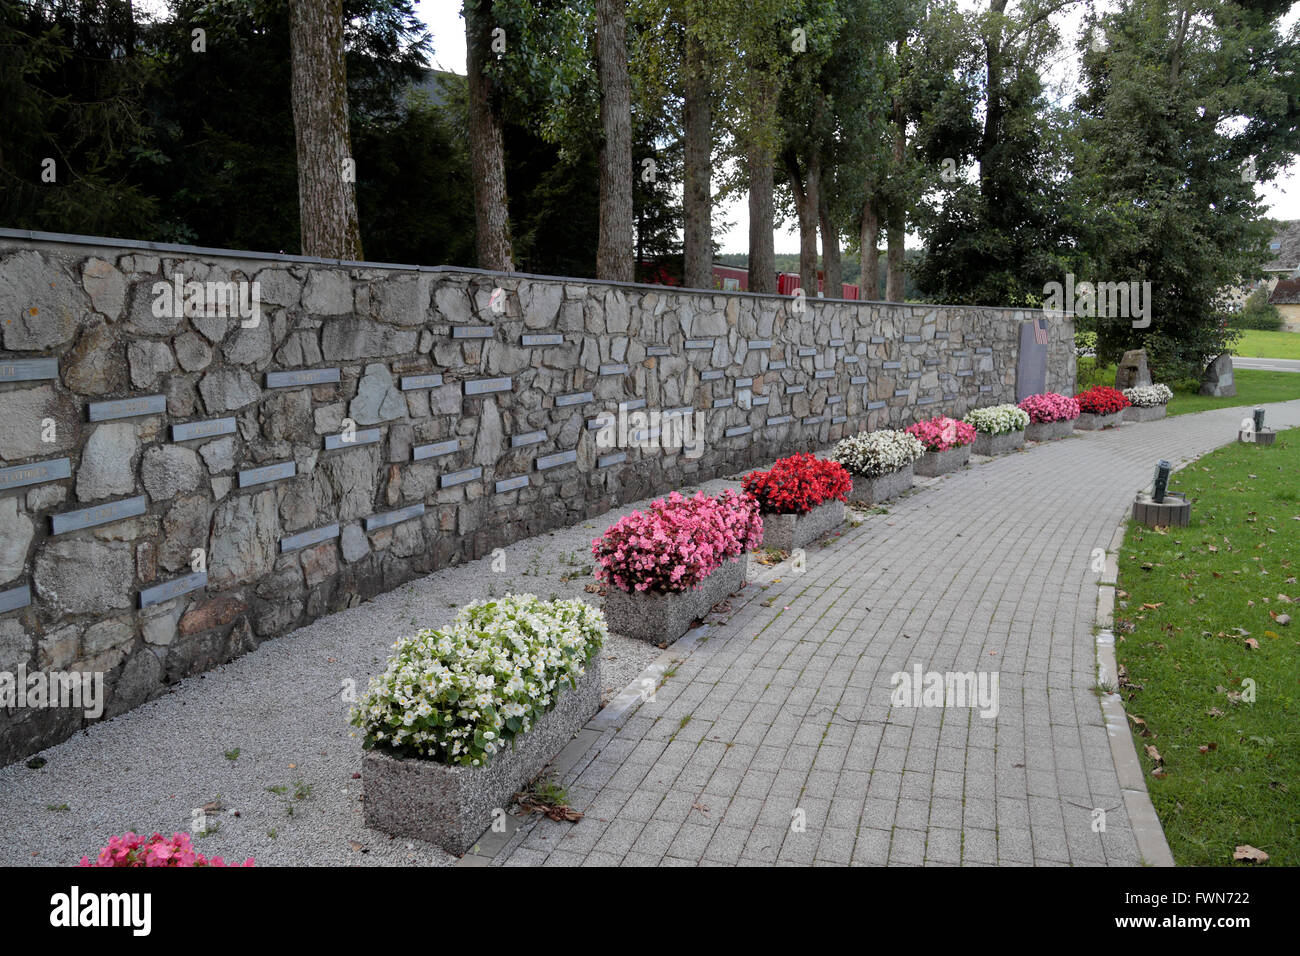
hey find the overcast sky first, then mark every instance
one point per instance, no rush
(448, 29)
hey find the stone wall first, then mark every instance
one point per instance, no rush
(134, 443)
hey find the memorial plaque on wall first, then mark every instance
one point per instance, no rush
(28, 370)
(308, 376)
(460, 477)
(375, 522)
(191, 430)
(1031, 361)
(608, 460)
(267, 473)
(306, 539)
(366, 436)
(695, 344)
(421, 452)
(545, 338)
(413, 382)
(511, 484)
(613, 370)
(127, 408)
(483, 386)
(99, 514)
(172, 589)
(777, 365)
(14, 598)
(529, 438)
(556, 460)
(653, 351)
(472, 331)
(33, 474)
(573, 398)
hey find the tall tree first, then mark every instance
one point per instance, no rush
(614, 249)
(486, 146)
(697, 123)
(327, 198)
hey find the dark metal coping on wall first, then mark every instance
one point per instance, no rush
(193, 251)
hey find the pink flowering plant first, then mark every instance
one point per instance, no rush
(941, 433)
(677, 542)
(133, 849)
(1050, 407)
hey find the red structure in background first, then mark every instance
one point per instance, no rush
(736, 279)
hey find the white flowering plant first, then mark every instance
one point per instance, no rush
(460, 694)
(872, 454)
(998, 419)
(1149, 396)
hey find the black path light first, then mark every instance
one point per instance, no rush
(1162, 507)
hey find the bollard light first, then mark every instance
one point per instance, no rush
(1259, 419)
(1161, 483)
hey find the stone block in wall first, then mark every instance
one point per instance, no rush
(25, 414)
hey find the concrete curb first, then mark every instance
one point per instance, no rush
(611, 717)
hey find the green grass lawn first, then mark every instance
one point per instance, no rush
(1257, 344)
(1195, 626)
(1254, 387)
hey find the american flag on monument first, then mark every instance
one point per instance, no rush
(1040, 331)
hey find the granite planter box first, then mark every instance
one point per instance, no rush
(662, 618)
(1089, 422)
(1049, 431)
(1151, 413)
(450, 805)
(870, 491)
(994, 445)
(787, 532)
(935, 463)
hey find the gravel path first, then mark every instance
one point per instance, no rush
(292, 781)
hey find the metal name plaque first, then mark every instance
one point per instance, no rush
(759, 400)
(813, 420)
(877, 340)
(472, 332)
(100, 514)
(836, 343)
(711, 374)
(171, 589)
(738, 430)
(574, 398)
(15, 598)
(556, 460)
(825, 373)
(484, 386)
(127, 408)
(839, 419)
(191, 430)
(760, 343)
(900, 392)
(411, 383)
(874, 405)
(795, 389)
(375, 522)
(421, 452)
(776, 366)
(834, 399)
(723, 402)
(512, 484)
(460, 477)
(550, 338)
(615, 459)
(892, 365)
(743, 382)
(260, 476)
(310, 376)
(804, 353)
(911, 338)
(850, 360)
(613, 369)
(653, 351)
(780, 420)
(859, 379)
(33, 474)
(307, 538)
(631, 405)
(28, 370)
(530, 438)
(367, 436)
(699, 344)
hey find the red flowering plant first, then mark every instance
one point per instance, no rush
(1102, 400)
(797, 485)
(132, 849)
(677, 543)
(941, 433)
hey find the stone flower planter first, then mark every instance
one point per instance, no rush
(1049, 431)
(451, 806)
(870, 491)
(1089, 422)
(662, 618)
(1150, 413)
(787, 532)
(935, 463)
(993, 445)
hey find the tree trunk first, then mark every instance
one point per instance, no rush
(897, 220)
(807, 197)
(327, 197)
(993, 107)
(697, 233)
(614, 247)
(830, 251)
(486, 147)
(762, 237)
(869, 254)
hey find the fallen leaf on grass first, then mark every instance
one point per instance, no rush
(1152, 607)
(1154, 754)
(1250, 854)
(1252, 643)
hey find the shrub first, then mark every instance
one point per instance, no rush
(460, 694)
(132, 849)
(677, 543)
(1257, 313)
(1148, 396)
(998, 419)
(1102, 400)
(941, 433)
(1050, 407)
(871, 454)
(797, 484)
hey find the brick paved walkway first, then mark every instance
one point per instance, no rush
(784, 711)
